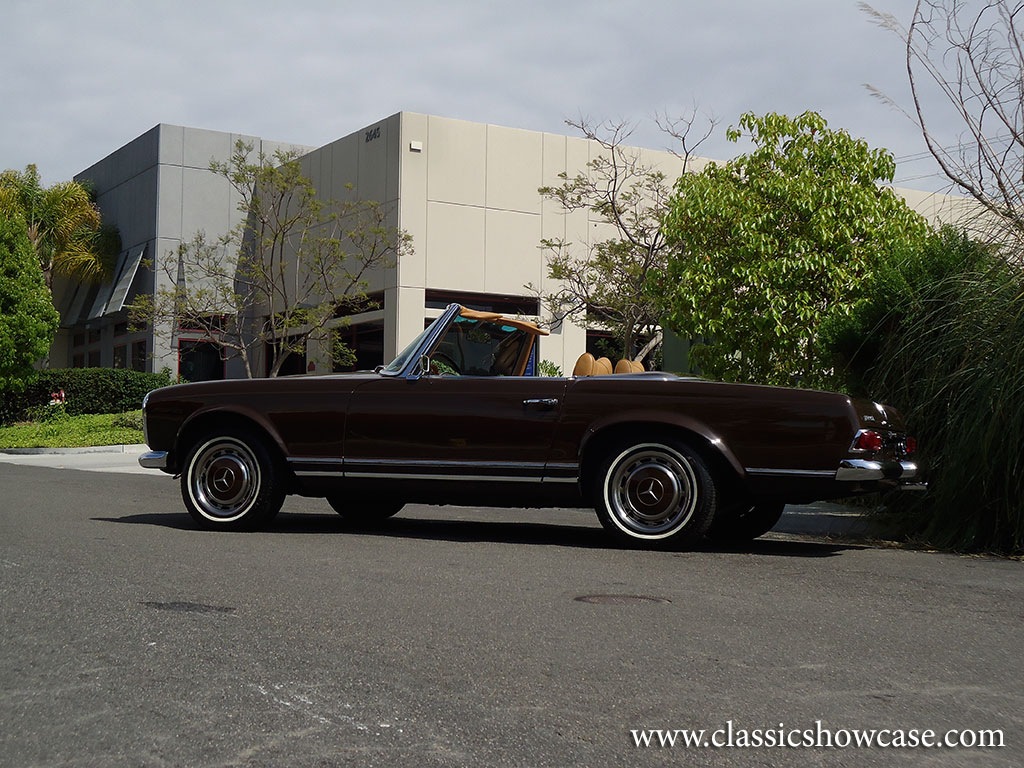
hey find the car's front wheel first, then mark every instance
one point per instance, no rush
(231, 481)
(655, 492)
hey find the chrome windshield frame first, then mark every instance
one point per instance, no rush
(411, 368)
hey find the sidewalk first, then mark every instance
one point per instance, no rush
(122, 459)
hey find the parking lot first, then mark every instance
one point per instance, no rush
(456, 636)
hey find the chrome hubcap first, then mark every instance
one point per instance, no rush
(224, 479)
(651, 491)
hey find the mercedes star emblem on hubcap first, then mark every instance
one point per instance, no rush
(224, 479)
(650, 491)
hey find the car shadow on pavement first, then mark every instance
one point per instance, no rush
(488, 531)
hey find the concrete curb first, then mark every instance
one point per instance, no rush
(130, 448)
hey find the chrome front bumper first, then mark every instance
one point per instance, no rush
(154, 460)
(905, 473)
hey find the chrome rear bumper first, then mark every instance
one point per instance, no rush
(905, 473)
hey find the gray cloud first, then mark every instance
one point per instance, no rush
(84, 78)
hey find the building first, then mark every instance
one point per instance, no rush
(466, 192)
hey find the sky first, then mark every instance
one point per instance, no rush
(81, 79)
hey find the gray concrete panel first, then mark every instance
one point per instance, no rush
(172, 144)
(169, 206)
(205, 204)
(373, 162)
(203, 146)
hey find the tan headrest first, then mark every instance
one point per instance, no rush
(584, 366)
(602, 367)
(637, 367)
(624, 366)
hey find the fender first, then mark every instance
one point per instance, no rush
(235, 409)
(680, 420)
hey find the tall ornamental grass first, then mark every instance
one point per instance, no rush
(949, 353)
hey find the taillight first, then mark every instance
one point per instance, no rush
(910, 445)
(867, 440)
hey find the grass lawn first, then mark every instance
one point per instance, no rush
(75, 431)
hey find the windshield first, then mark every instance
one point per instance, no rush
(396, 365)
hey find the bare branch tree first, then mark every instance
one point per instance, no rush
(294, 264)
(606, 279)
(972, 53)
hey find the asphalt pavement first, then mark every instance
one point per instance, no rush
(459, 636)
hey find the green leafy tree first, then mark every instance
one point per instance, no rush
(770, 244)
(282, 276)
(64, 226)
(28, 320)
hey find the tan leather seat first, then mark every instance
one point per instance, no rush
(584, 366)
(602, 367)
(637, 367)
(624, 366)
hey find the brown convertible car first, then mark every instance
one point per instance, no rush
(457, 417)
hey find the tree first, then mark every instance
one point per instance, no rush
(64, 226)
(971, 57)
(278, 279)
(28, 321)
(770, 244)
(605, 282)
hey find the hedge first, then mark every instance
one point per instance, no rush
(87, 390)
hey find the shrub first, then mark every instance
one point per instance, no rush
(942, 339)
(87, 390)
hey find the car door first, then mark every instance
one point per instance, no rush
(484, 428)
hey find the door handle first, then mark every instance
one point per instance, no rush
(541, 402)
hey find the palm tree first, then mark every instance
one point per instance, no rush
(63, 225)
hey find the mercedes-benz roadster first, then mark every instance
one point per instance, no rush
(459, 417)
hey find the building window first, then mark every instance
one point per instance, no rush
(367, 341)
(78, 340)
(121, 356)
(120, 329)
(484, 302)
(139, 355)
(200, 361)
(94, 358)
(78, 361)
(94, 335)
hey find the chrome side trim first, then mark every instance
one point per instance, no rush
(790, 472)
(153, 460)
(410, 476)
(333, 467)
(447, 464)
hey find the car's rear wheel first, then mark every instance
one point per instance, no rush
(655, 492)
(363, 510)
(231, 480)
(746, 523)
